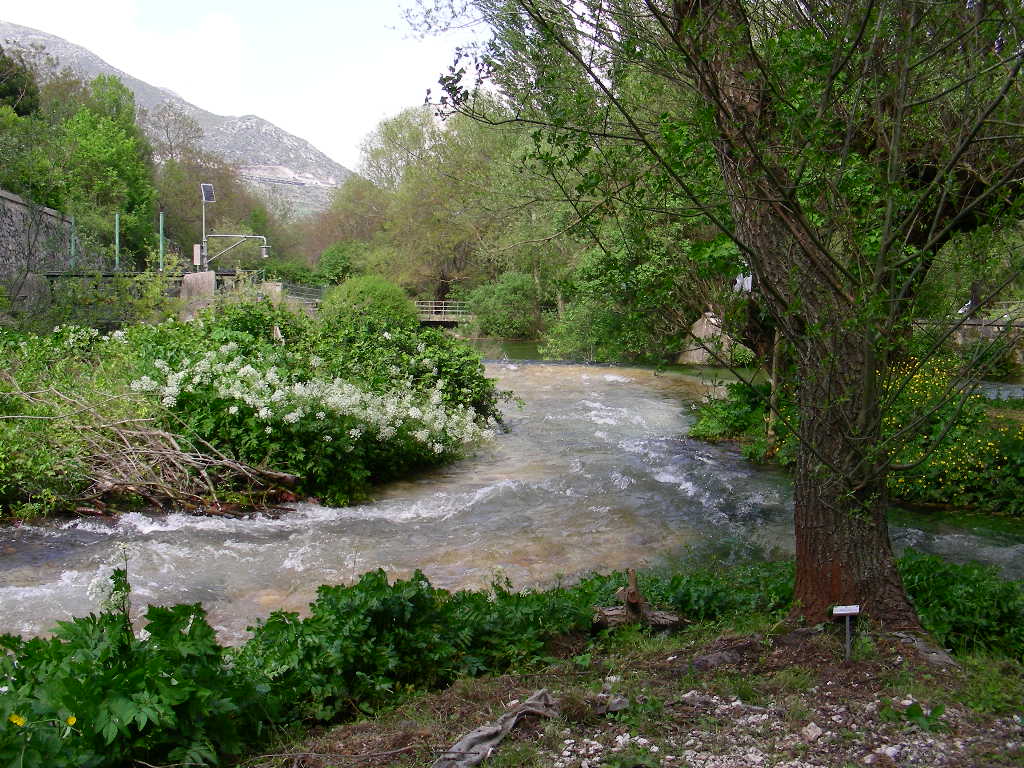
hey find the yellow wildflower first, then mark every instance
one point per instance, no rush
(18, 720)
(71, 720)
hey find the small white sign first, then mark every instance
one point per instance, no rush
(846, 610)
(197, 254)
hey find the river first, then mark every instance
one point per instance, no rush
(595, 472)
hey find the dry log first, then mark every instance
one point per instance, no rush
(635, 610)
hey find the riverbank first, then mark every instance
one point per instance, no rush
(956, 452)
(707, 698)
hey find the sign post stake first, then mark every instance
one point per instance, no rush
(847, 612)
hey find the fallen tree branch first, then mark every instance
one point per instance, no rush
(128, 454)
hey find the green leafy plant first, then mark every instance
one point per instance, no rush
(94, 694)
(965, 607)
(913, 714)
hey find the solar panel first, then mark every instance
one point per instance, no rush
(207, 190)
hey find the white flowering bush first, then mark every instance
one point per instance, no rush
(338, 405)
(341, 405)
(384, 356)
(337, 435)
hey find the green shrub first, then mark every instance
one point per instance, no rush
(257, 319)
(336, 262)
(741, 356)
(288, 271)
(507, 308)
(968, 608)
(741, 413)
(41, 456)
(40, 469)
(342, 405)
(368, 298)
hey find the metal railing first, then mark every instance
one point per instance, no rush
(313, 294)
(443, 310)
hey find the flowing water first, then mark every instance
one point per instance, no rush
(595, 472)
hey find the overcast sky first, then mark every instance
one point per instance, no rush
(327, 71)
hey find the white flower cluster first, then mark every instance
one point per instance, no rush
(74, 335)
(317, 403)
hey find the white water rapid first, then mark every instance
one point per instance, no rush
(595, 472)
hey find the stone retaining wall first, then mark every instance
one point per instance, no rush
(34, 240)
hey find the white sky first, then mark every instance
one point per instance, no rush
(325, 71)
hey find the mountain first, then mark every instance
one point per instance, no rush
(284, 169)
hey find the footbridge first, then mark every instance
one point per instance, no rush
(435, 313)
(446, 313)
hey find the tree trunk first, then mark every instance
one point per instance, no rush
(843, 553)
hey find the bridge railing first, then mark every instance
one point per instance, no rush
(443, 310)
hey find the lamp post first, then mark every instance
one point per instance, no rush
(206, 193)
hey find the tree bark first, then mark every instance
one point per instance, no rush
(843, 552)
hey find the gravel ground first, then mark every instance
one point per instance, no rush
(790, 701)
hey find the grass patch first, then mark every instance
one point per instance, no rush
(790, 680)
(991, 686)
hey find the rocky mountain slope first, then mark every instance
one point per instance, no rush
(287, 170)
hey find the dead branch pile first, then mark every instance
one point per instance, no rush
(124, 454)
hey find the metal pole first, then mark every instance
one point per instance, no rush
(848, 638)
(117, 242)
(202, 259)
(161, 241)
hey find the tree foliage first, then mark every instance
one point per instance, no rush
(82, 153)
(18, 87)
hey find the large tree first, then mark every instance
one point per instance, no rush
(851, 141)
